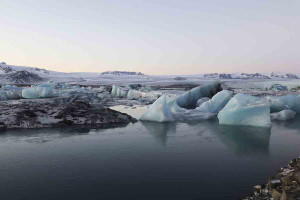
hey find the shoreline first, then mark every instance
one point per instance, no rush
(283, 186)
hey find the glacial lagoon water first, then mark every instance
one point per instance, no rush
(145, 160)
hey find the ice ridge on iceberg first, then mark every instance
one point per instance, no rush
(189, 99)
(217, 103)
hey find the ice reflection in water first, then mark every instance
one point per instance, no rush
(145, 160)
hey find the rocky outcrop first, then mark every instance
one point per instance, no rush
(43, 114)
(23, 76)
(10, 75)
(284, 186)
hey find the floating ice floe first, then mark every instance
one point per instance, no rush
(39, 91)
(284, 115)
(217, 103)
(246, 110)
(166, 109)
(291, 102)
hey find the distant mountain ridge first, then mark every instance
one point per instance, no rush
(118, 73)
(247, 76)
(10, 74)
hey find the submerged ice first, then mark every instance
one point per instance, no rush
(283, 115)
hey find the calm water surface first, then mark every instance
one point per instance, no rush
(193, 160)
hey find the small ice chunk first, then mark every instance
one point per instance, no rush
(159, 111)
(283, 115)
(217, 103)
(102, 89)
(246, 110)
(118, 92)
(202, 100)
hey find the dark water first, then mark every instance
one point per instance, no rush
(196, 160)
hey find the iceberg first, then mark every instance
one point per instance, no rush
(217, 103)
(291, 102)
(284, 115)
(134, 94)
(189, 99)
(39, 91)
(10, 94)
(165, 109)
(246, 110)
(159, 111)
(118, 92)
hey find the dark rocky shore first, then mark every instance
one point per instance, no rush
(47, 114)
(284, 186)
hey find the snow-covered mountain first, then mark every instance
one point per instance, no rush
(19, 76)
(254, 76)
(121, 73)
(10, 74)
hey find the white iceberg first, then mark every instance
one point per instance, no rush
(159, 111)
(166, 109)
(10, 94)
(283, 115)
(118, 92)
(217, 103)
(134, 94)
(246, 110)
(39, 91)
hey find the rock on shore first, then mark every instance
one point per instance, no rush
(284, 186)
(44, 114)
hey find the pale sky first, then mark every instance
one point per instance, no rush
(152, 36)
